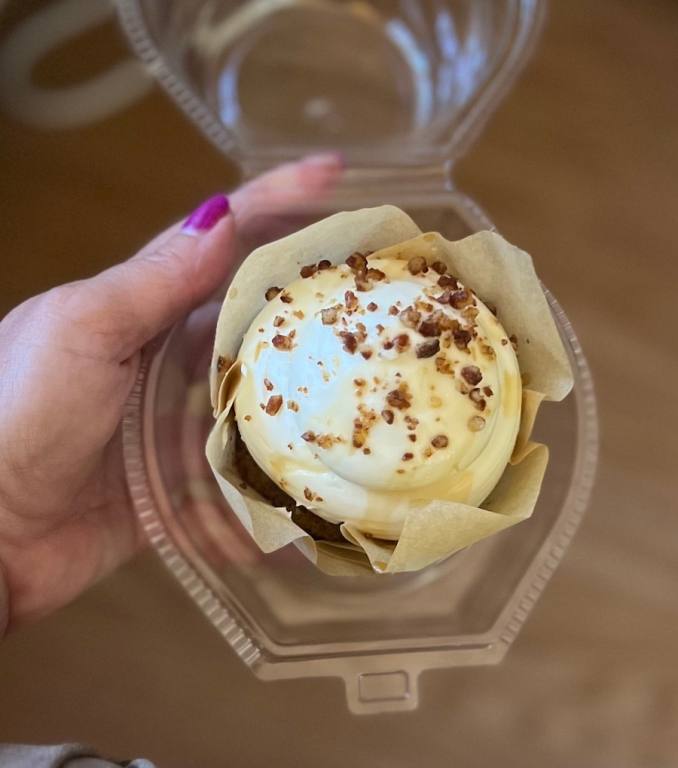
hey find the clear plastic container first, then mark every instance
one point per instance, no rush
(425, 74)
(392, 83)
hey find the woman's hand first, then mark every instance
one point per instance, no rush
(68, 359)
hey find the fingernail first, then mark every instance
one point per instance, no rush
(325, 158)
(206, 215)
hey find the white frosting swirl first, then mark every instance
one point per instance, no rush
(330, 444)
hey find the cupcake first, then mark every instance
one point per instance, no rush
(375, 388)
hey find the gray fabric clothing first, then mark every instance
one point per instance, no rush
(60, 756)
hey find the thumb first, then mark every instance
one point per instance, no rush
(170, 277)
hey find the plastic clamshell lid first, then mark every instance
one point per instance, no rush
(426, 77)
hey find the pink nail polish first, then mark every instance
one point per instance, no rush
(206, 215)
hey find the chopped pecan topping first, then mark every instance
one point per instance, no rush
(514, 341)
(221, 364)
(461, 299)
(272, 292)
(478, 400)
(488, 391)
(324, 264)
(446, 322)
(362, 425)
(359, 435)
(286, 298)
(329, 315)
(308, 436)
(309, 270)
(439, 267)
(247, 417)
(412, 438)
(411, 422)
(410, 317)
(462, 337)
(359, 382)
(388, 416)
(278, 320)
(487, 350)
(367, 451)
(372, 307)
(350, 341)
(423, 306)
(401, 342)
(366, 353)
(380, 328)
(282, 342)
(407, 456)
(388, 344)
(292, 405)
(273, 404)
(268, 384)
(376, 274)
(298, 313)
(357, 262)
(430, 327)
(440, 441)
(469, 314)
(428, 348)
(443, 365)
(504, 342)
(351, 300)
(308, 494)
(393, 310)
(444, 297)
(471, 374)
(362, 282)
(476, 423)
(448, 281)
(326, 441)
(399, 398)
(416, 265)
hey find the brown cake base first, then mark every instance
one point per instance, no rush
(258, 480)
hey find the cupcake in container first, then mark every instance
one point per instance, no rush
(374, 390)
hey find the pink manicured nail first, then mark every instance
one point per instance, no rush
(206, 215)
(325, 158)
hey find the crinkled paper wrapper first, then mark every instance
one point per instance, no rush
(499, 273)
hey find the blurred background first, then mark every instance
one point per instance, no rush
(579, 166)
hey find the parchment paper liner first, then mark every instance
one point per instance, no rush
(499, 273)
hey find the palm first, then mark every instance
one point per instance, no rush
(63, 486)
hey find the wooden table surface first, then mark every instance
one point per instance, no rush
(580, 167)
